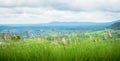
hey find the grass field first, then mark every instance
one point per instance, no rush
(92, 48)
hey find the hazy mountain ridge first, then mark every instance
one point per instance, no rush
(115, 26)
(58, 26)
(75, 23)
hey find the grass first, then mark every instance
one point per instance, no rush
(44, 50)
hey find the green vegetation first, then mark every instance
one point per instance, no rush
(94, 46)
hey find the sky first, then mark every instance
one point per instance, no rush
(44, 11)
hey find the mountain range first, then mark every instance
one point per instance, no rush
(62, 26)
(115, 26)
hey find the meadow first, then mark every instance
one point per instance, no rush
(89, 46)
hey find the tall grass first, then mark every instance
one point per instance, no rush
(84, 49)
(45, 51)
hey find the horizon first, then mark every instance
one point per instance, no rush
(54, 22)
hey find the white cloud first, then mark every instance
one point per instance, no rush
(41, 11)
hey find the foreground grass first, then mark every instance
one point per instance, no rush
(44, 50)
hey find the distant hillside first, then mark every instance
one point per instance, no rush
(116, 21)
(2, 27)
(77, 24)
(57, 25)
(115, 26)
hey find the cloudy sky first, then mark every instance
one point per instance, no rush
(43, 11)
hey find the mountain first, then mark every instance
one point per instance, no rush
(81, 25)
(57, 25)
(4, 27)
(75, 24)
(115, 26)
(116, 21)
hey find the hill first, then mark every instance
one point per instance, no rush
(56, 25)
(115, 26)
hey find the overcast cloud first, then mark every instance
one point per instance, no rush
(43, 11)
